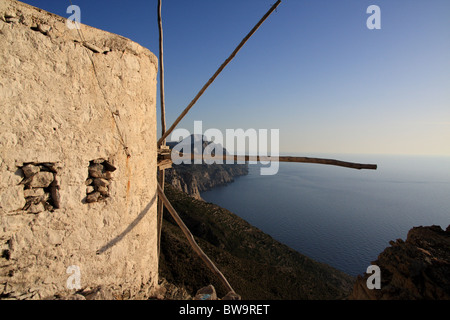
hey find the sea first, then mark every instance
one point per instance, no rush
(339, 216)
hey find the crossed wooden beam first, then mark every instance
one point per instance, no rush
(164, 153)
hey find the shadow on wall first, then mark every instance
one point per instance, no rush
(135, 222)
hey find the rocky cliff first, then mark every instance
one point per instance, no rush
(418, 268)
(196, 178)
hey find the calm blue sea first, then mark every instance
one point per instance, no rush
(339, 216)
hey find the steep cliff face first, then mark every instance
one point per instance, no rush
(418, 268)
(196, 178)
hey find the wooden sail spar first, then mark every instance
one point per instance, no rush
(216, 74)
(164, 154)
(161, 176)
(166, 161)
(192, 241)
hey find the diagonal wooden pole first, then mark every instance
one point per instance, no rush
(161, 176)
(192, 241)
(211, 80)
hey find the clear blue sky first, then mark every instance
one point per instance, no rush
(313, 70)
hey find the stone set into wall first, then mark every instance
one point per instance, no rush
(99, 180)
(58, 117)
(41, 189)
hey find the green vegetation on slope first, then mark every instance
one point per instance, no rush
(256, 265)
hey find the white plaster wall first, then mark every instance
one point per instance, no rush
(53, 109)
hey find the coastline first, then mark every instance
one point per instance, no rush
(257, 266)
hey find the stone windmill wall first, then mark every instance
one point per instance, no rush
(77, 158)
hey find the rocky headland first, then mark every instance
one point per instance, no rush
(196, 178)
(259, 267)
(415, 269)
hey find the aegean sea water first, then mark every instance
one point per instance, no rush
(342, 217)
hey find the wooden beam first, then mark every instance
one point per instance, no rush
(332, 162)
(161, 173)
(211, 80)
(192, 241)
(161, 70)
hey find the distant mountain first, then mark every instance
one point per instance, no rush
(196, 178)
(195, 144)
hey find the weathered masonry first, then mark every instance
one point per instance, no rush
(77, 158)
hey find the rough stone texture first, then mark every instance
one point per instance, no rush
(169, 291)
(54, 110)
(206, 293)
(41, 180)
(415, 269)
(29, 170)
